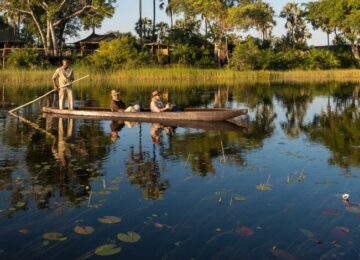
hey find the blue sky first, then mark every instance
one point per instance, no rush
(126, 15)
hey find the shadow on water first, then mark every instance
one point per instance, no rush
(148, 173)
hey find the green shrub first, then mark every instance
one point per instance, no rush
(27, 58)
(321, 59)
(120, 53)
(245, 56)
(186, 54)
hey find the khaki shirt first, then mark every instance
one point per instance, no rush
(64, 76)
(155, 106)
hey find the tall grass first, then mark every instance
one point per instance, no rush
(177, 76)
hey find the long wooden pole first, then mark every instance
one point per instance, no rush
(33, 101)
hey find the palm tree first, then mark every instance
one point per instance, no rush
(168, 10)
(154, 20)
(140, 20)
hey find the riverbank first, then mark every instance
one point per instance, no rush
(178, 76)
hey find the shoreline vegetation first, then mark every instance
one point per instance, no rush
(178, 76)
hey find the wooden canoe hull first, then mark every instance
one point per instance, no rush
(223, 126)
(208, 115)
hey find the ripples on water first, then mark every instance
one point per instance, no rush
(270, 188)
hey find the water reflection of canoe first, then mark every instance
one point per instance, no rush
(208, 115)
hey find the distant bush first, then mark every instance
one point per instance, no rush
(27, 58)
(245, 56)
(321, 59)
(287, 60)
(120, 53)
(185, 54)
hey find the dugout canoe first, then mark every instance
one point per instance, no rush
(208, 115)
(223, 126)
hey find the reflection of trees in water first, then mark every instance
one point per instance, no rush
(221, 96)
(296, 102)
(200, 149)
(59, 169)
(143, 170)
(338, 128)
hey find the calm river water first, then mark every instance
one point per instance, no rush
(268, 186)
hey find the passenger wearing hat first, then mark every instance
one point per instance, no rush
(116, 104)
(157, 105)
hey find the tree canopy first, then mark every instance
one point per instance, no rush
(340, 17)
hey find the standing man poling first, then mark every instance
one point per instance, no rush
(62, 79)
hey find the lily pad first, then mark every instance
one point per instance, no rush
(86, 230)
(306, 233)
(129, 237)
(264, 187)
(332, 212)
(107, 250)
(54, 236)
(20, 204)
(109, 220)
(353, 208)
(238, 197)
(244, 231)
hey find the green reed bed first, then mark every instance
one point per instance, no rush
(176, 76)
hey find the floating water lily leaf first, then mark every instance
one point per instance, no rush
(353, 208)
(104, 192)
(20, 204)
(238, 197)
(108, 249)
(244, 231)
(306, 233)
(24, 231)
(326, 182)
(109, 220)
(54, 236)
(340, 232)
(282, 254)
(263, 187)
(332, 212)
(158, 225)
(129, 237)
(87, 230)
(217, 193)
(114, 188)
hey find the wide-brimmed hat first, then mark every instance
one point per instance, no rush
(114, 92)
(155, 93)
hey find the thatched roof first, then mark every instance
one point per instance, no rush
(7, 36)
(96, 38)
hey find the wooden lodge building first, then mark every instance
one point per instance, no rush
(8, 41)
(88, 45)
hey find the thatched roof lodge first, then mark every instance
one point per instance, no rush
(91, 43)
(9, 40)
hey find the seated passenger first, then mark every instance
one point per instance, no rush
(157, 105)
(118, 106)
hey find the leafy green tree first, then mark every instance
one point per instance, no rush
(342, 17)
(51, 18)
(245, 56)
(297, 32)
(264, 20)
(162, 30)
(223, 17)
(168, 10)
(144, 28)
(316, 13)
(120, 53)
